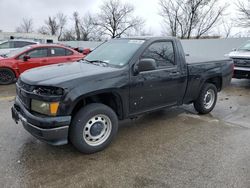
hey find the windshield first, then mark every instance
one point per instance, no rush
(245, 47)
(13, 53)
(115, 52)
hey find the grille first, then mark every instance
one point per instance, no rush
(22, 90)
(242, 62)
(25, 86)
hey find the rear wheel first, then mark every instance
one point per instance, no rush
(207, 99)
(93, 128)
(7, 76)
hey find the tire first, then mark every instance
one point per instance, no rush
(93, 128)
(7, 76)
(207, 99)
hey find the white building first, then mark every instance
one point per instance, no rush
(30, 36)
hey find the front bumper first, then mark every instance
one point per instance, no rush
(52, 130)
(241, 72)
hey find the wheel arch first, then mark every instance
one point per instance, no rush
(109, 98)
(216, 80)
(11, 69)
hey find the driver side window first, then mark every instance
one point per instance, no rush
(162, 53)
(36, 53)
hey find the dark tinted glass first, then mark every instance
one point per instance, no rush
(57, 52)
(5, 45)
(19, 44)
(162, 53)
(11, 44)
(69, 52)
(41, 52)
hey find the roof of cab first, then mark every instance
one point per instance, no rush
(147, 38)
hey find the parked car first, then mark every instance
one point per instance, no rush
(85, 51)
(241, 58)
(10, 45)
(82, 102)
(28, 57)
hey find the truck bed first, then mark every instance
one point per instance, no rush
(198, 60)
(201, 69)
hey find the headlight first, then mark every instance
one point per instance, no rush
(48, 91)
(47, 108)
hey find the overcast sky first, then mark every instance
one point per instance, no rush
(13, 11)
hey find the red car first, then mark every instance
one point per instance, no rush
(28, 57)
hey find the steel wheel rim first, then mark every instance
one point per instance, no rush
(5, 76)
(209, 99)
(102, 135)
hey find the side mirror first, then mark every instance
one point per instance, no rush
(86, 51)
(234, 49)
(146, 64)
(26, 58)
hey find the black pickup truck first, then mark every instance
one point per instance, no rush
(82, 102)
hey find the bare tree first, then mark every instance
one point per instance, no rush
(54, 25)
(69, 35)
(227, 28)
(62, 20)
(87, 27)
(244, 14)
(116, 19)
(77, 25)
(43, 30)
(26, 26)
(170, 12)
(190, 18)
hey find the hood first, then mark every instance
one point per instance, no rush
(61, 73)
(239, 54)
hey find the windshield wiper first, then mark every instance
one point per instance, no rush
(97, 62)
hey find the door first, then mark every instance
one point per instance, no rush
(37, 57)
(59, 55)
(158, 88)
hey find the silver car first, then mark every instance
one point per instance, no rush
(10, 45)
(241, 58)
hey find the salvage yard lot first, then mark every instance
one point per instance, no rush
(169, 148)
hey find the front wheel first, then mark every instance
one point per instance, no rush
(207, 99)
(7, 76)
(93, 128)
